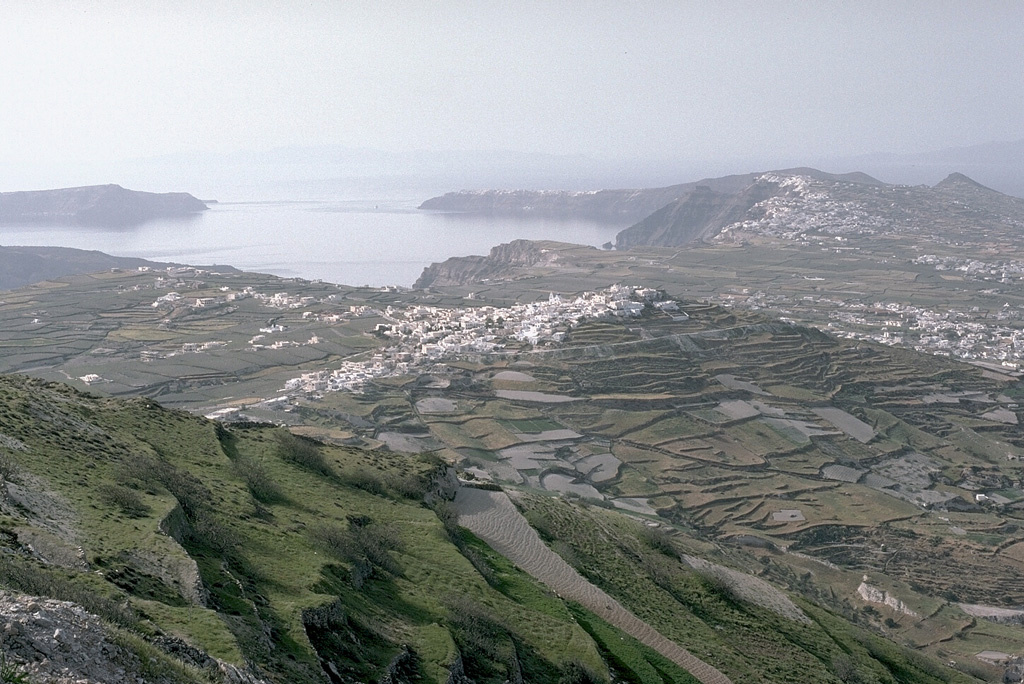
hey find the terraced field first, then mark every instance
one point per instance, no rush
(493, 518)
(815, 460)
(832, 450)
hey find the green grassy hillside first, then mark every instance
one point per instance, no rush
(304, 562)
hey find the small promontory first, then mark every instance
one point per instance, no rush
(502, 261)
(95, 205)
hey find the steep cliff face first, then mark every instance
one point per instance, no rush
(701, 213)
(109, 205)
(501, 260)
(609, 206)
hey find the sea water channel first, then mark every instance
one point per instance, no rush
(352, 242)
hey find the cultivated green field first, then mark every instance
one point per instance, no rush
(803, 458)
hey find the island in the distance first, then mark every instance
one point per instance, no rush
(95, 205)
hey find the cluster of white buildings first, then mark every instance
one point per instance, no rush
(805, 212)
(278, 300)
(259, 342)
(438, 331)
(282, 300)
(961, 334)
(351, 376)
(426, 334)
(199, 347)
(169, 300)
(174, 298)
(808, 212)
(993, 337)
(1004, 271)
(172, 277)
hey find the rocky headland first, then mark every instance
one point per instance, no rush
(708, 209)
(498, 264)
(624, 206)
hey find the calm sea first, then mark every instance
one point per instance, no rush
(353, 242)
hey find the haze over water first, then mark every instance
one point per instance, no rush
(351, 242)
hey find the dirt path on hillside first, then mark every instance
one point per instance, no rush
(492, 517)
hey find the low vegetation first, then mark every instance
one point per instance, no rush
(705, 614)
(274, 554)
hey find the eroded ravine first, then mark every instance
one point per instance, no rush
(492, 517)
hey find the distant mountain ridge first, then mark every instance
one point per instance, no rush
(722, 209)
(999, 165)
(613, 206)
(700, 210)
(103, 205)
(707, 207)
(703, 213)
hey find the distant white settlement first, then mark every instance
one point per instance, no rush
(424, 335)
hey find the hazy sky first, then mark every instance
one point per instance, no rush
(86, 81)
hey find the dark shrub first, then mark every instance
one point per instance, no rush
(576, 673)
(365, 545)
(260, 483)
(366, 480)
(303, 452)
(127, 500)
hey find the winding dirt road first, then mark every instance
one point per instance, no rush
(492, 517)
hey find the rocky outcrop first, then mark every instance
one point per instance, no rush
(173, 565)
(46, 528)
(501, 260)
(62, 643)
(444, 485)
(1014, 673)
(331, 633)
(95, 205)
(875, 595)
(403, 668)
(57, 641)
(457, 672)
